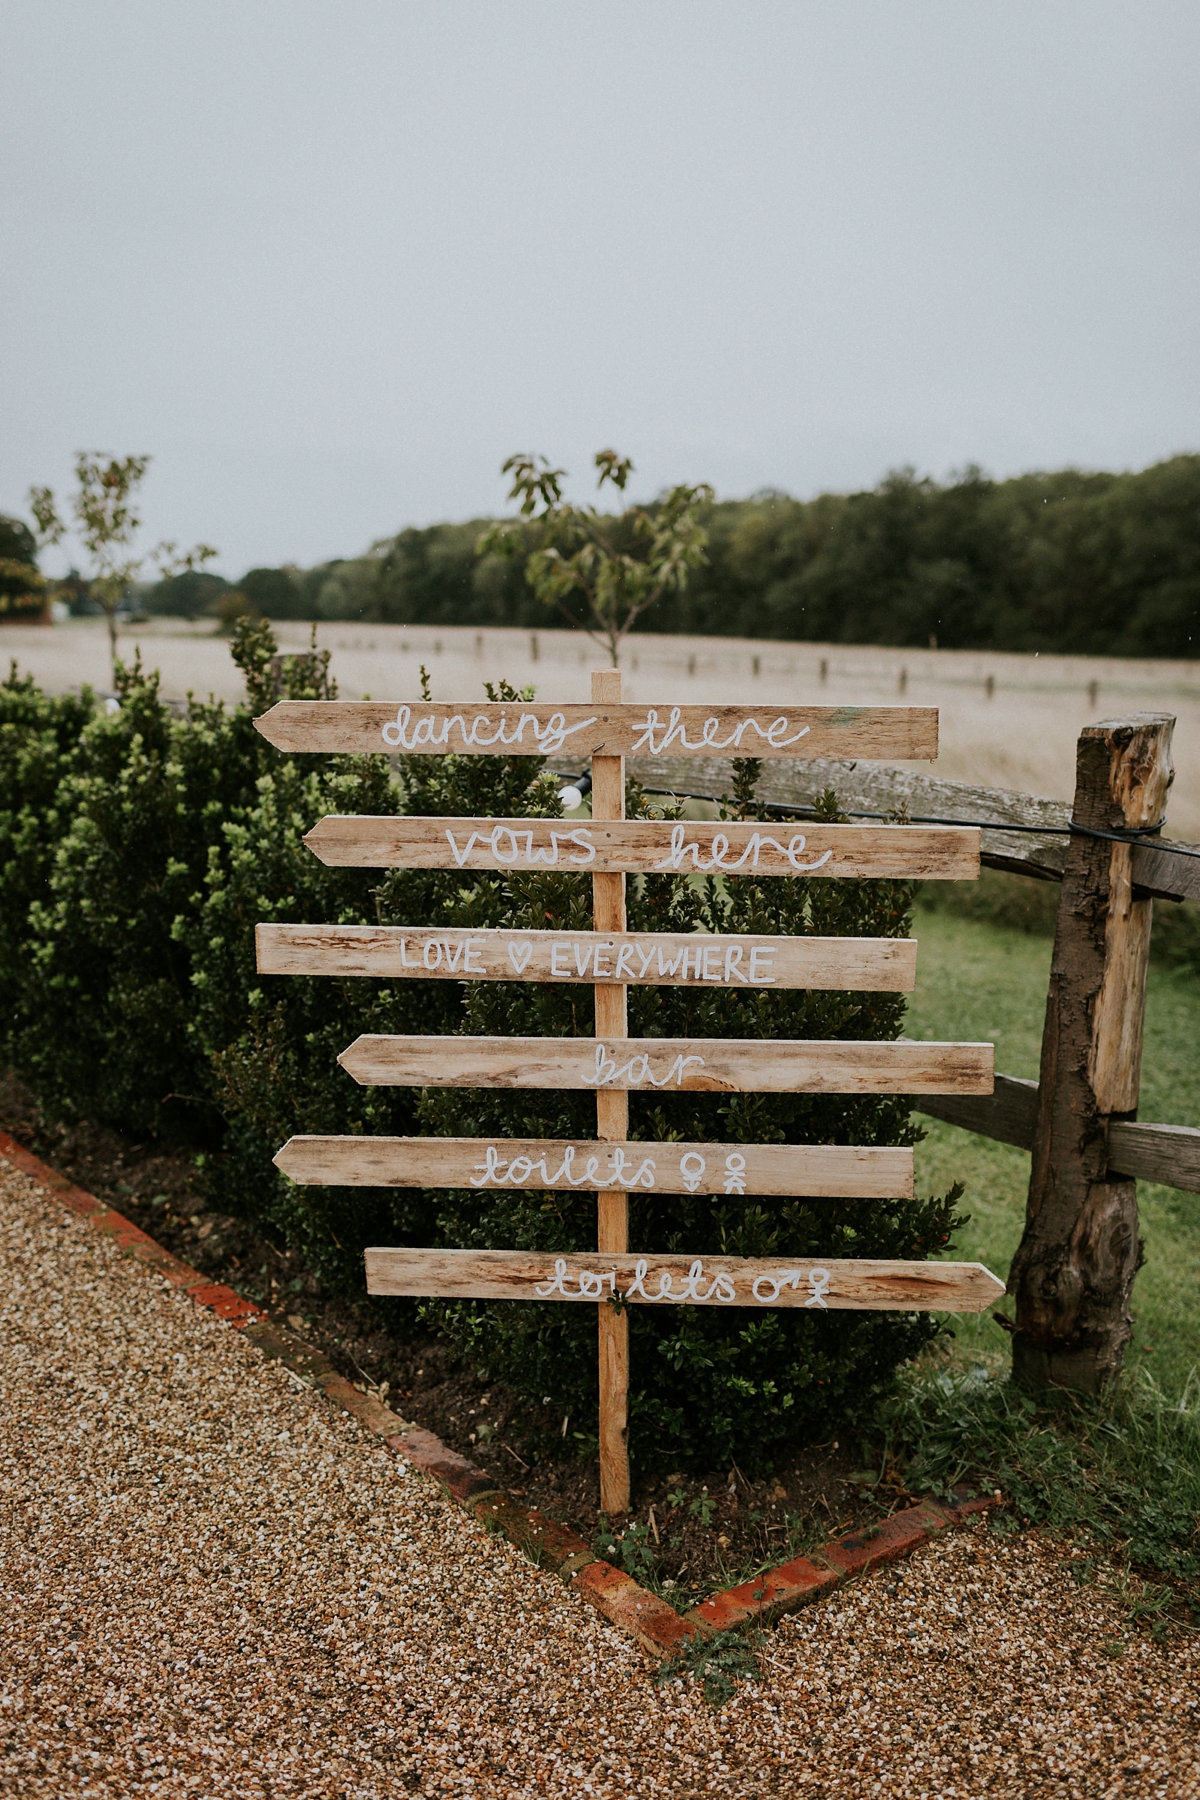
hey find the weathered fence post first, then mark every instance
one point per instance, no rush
(1073, 1273)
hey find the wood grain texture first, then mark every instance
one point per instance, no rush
(603, 728)
(696, 1065)
(648, 846)
(1156, 872)
(1140, 778)
(824, 1171)
(612, 1123)
(1008, 1114)
(1074, 1268)
(1169, 1154)
(809, 1283)
(675, 959)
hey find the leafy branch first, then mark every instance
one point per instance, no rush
(579, 551)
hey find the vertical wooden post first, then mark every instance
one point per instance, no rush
(612, 1124)
(1073, 1273)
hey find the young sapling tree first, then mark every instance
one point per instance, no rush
(106, 524)
(578, 551)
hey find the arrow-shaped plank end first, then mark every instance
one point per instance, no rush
(285, 1160)
(988, 1288)
(350, 1060)
(271, 725)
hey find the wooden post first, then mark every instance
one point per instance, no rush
(612, 1125)
(1073, 1273)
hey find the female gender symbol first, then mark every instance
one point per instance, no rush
(691, 1177)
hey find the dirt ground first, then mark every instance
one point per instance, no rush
(1021, 734)
(215, 1584)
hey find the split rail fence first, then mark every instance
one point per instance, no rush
(1073, 1275)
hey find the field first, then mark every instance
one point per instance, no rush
(1020, 735)
(981, 981)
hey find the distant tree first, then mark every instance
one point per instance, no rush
(577, 552)
(22, 587)
(195, 594)
(272, 593)
(106, 525)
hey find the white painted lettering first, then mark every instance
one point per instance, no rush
(436, 728)
(657, 737)
(609, 1073)
(557, 952)
(759, 954)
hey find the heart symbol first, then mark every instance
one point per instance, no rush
(519, 955)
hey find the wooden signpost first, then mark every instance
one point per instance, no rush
(610, 958)
(651, 847)
(842, 1171)
(614, 1064)
(605, 728)
(656, 958)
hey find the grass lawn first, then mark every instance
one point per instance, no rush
(978, 980)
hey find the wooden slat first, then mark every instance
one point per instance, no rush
(600, 729)
(1008, 1114)
(696, 1065)
(827, 1171)
(1169, 1154)
(676, 959)
(610, 1001)
(1166, 1153)
(684, 1280)
(1156, 872)
(648, 846)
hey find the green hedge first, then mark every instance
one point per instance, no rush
(144, 849)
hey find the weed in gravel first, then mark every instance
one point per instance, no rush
(718, 1663)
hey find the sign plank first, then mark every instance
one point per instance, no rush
(696, 1065)
(826, 1171)
(602, 728)
(685, 1280)
(877, 965)
(650, 847)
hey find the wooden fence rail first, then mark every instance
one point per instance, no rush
(1169, 1154)
(1072, 1276)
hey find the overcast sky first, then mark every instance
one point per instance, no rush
(330, 263)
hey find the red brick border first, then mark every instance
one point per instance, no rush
(655, 1624)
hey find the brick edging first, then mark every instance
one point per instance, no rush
(652, 1621)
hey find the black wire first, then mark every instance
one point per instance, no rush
(1135, 834)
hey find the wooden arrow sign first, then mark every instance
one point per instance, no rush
(685, 1280)
(651, 958)
(602, 729)
(696, 1065)
(650, 847)
(827, 1171)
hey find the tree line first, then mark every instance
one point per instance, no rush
(1073, 562)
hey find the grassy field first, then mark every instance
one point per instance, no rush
(983, 981)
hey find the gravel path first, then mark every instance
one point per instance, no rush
(215, 1585)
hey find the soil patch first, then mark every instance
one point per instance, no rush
(686, 1537)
